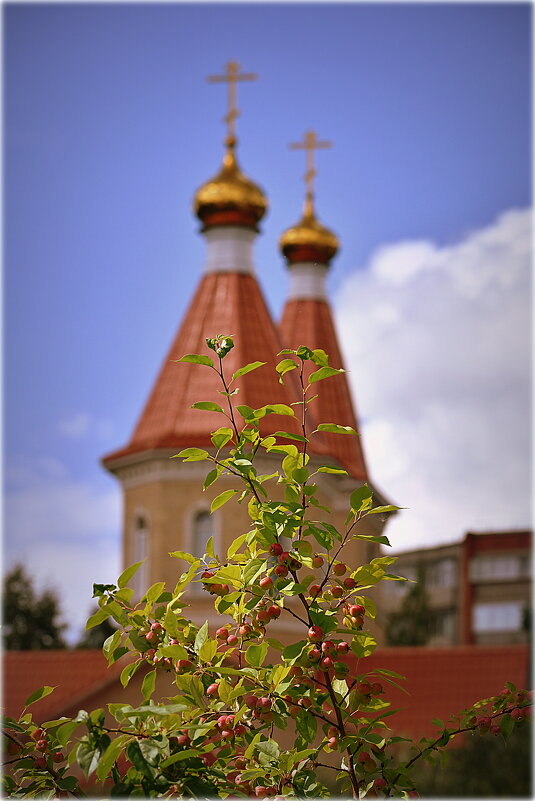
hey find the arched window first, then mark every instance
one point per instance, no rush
(141, 553)
(202, 530)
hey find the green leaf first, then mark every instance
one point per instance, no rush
(208, 650)
(287, 435)
(256, 654)
(360, 498)
(333, 428)
(222, 499)
(294, 651)
(236, 545)
(42, 692)
(507, 725)
(64, 732)
(192, 455)
(207, 406)
(99, 616)
(187, 557)
(210, 548)
(128, 671)
(278, 408)
(110, 755)
(247, 369)
(221, 437)
(284, 367)
(323, 372)
(334, 470)
(189, 753)
(195, 358)
(111, 643)
(246, 412)
(149, 682)
(201, 637)
(381, 509)
(127, 574)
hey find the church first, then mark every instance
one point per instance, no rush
(165, 507)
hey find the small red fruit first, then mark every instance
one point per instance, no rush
(266, 583)
(41, 745)
(326, 663)
(363, 757)
(232, 639)
(264, 703)
(38, 734)
(379, 783)
(58, 756)
(157, 627)
(183, 739)
(336, 592)
(274, 611)
(222, 634)
(350, 583)
(183, 664)
(244, 630)
(314, 654)
(339, 569)
(328, 647)
(209, 758)
(315, 634)
(152, 636)
(281, 571)
(332, 742)
(356, 609)
(276, 549)
(261, 791)
(342, 648)
(317, 561)
(212, 689)
(40, 763)
(314, 590)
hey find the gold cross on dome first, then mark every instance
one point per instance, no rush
(232, 76)
(310, 143)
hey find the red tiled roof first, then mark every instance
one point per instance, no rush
(224, 303)
(443, 681)
(75, 674)
(309, 322)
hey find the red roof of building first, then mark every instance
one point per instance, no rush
(74, 674)
(224, 303)
(309, 322)
(443, 681)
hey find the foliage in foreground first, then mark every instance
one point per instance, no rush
(217, 735)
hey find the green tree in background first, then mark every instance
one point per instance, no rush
(31, 621)
(489, 767)
(412, 625)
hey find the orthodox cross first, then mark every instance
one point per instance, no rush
(310, 143)
(232, 76)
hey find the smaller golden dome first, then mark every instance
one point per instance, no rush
(309, 240)
(230, 198)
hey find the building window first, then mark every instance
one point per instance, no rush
(202, 530)
(441, 574)
(443, 624)
(494, 568)
(141, 550)
(506, 616)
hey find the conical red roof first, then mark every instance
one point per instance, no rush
(309, 322)
(229, 303)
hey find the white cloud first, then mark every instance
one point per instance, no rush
(66, 533)
(82, 424)
(438, 341)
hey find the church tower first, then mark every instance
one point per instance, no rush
(165, 508)
(164, 505)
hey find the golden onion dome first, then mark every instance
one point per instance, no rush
(230, 198)
(309, 240)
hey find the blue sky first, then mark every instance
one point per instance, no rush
(110, 126)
